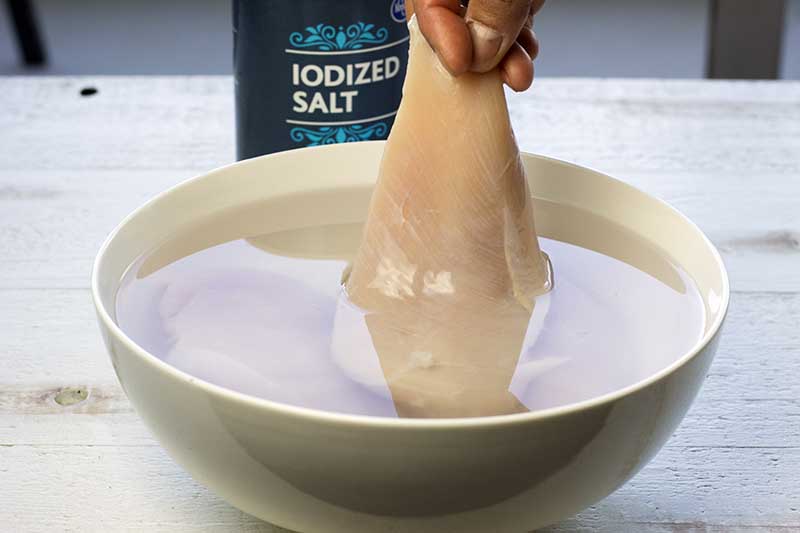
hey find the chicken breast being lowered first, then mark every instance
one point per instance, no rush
(449, 269)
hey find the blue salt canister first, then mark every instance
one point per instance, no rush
(313, 72)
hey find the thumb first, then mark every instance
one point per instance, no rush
(494, 26)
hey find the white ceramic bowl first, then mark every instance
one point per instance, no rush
(316, 471)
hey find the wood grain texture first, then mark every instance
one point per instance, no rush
(727, 154)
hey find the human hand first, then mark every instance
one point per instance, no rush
(482, 36)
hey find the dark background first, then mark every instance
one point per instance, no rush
(619, 38)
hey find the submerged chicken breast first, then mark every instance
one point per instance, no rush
(449, 268)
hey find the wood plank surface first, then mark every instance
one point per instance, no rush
(725, 153)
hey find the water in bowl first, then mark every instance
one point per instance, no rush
(253, 308)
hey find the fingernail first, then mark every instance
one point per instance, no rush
(486, 44)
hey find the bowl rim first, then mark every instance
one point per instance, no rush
(330, 417)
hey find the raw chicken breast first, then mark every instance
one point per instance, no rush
(449, 268)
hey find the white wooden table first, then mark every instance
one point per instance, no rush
(726, 154)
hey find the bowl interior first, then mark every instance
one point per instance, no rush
(332, 185)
